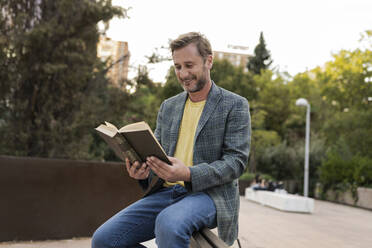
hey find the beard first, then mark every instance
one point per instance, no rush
(200, 83)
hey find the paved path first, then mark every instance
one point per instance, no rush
(330, 226)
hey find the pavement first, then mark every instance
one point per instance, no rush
(330, 226)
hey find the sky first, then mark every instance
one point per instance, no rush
(300, 34)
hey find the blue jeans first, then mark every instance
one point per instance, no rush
(170, 215)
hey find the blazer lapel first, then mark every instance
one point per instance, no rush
(176, 122)
(214, 97)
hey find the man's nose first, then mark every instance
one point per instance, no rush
(183, 73)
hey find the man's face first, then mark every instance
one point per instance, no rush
(192, 72)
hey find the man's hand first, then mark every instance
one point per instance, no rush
(171, 173)
(136, 170)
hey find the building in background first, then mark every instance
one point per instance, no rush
(237, 55)
(116, 52)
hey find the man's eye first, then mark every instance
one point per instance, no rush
(189, 65)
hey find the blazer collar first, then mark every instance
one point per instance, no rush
(213, 98)
(176, 122)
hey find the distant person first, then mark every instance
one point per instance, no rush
(206, 132)
(260, 184)
(257, 178)
(271, 186)
(256, 183)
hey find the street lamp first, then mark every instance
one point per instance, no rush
(304, 102)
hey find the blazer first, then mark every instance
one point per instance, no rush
(221, 149)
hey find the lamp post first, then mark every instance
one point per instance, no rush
(304, 102)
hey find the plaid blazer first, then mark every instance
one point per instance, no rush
(221, 149)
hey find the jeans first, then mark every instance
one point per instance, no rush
(170, 215)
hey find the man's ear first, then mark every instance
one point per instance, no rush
(209, 62)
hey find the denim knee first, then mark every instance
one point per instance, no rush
(171, 231)
(98, 240)
(101, 239)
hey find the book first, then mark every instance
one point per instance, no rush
(136, 142)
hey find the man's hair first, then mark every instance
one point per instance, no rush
(201, 42)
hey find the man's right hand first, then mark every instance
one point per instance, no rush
(136, 170)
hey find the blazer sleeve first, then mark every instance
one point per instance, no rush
(235, 151)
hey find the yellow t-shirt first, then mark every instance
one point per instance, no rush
(185, 144)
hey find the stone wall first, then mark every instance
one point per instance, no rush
(364, 197)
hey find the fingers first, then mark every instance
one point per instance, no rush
(136, 170)
(162, 169)
(157, 165)
(131, 168)
(155, 160)
(177, 171)
(142, 172)
(172, 159)
(127, 164)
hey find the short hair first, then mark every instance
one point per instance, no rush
(202, 43)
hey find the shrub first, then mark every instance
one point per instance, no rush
(251, 176)
(339, 174)
(247, 176)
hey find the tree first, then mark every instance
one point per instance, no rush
(145, 103)
(233, 78)
(171, 87)
(50, 75)
(350, 132)
(273, 99)
(346, 80)
(261, 59)
(339, 94)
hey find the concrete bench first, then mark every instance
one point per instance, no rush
(281, 201)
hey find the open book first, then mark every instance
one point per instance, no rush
(136, 142)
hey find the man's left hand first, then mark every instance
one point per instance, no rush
(178, 171)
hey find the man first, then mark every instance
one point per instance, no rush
(206, 132)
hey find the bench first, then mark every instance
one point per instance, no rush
(205, 238)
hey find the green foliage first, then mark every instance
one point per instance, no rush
(273, 99)
(262, 139)
(280, 161)
(286, 162)
(261, 59)
(234, 79)
(345, 80)
(172, 87)
(304, 85)
(144, 104)
(251, 177)
(337, 173)
(49, 75)
(247, 176)
(353, 129)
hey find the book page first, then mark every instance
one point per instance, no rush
(110, 125)
(109, 131)
(135, 127)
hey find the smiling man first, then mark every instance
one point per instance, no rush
(205, 131)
